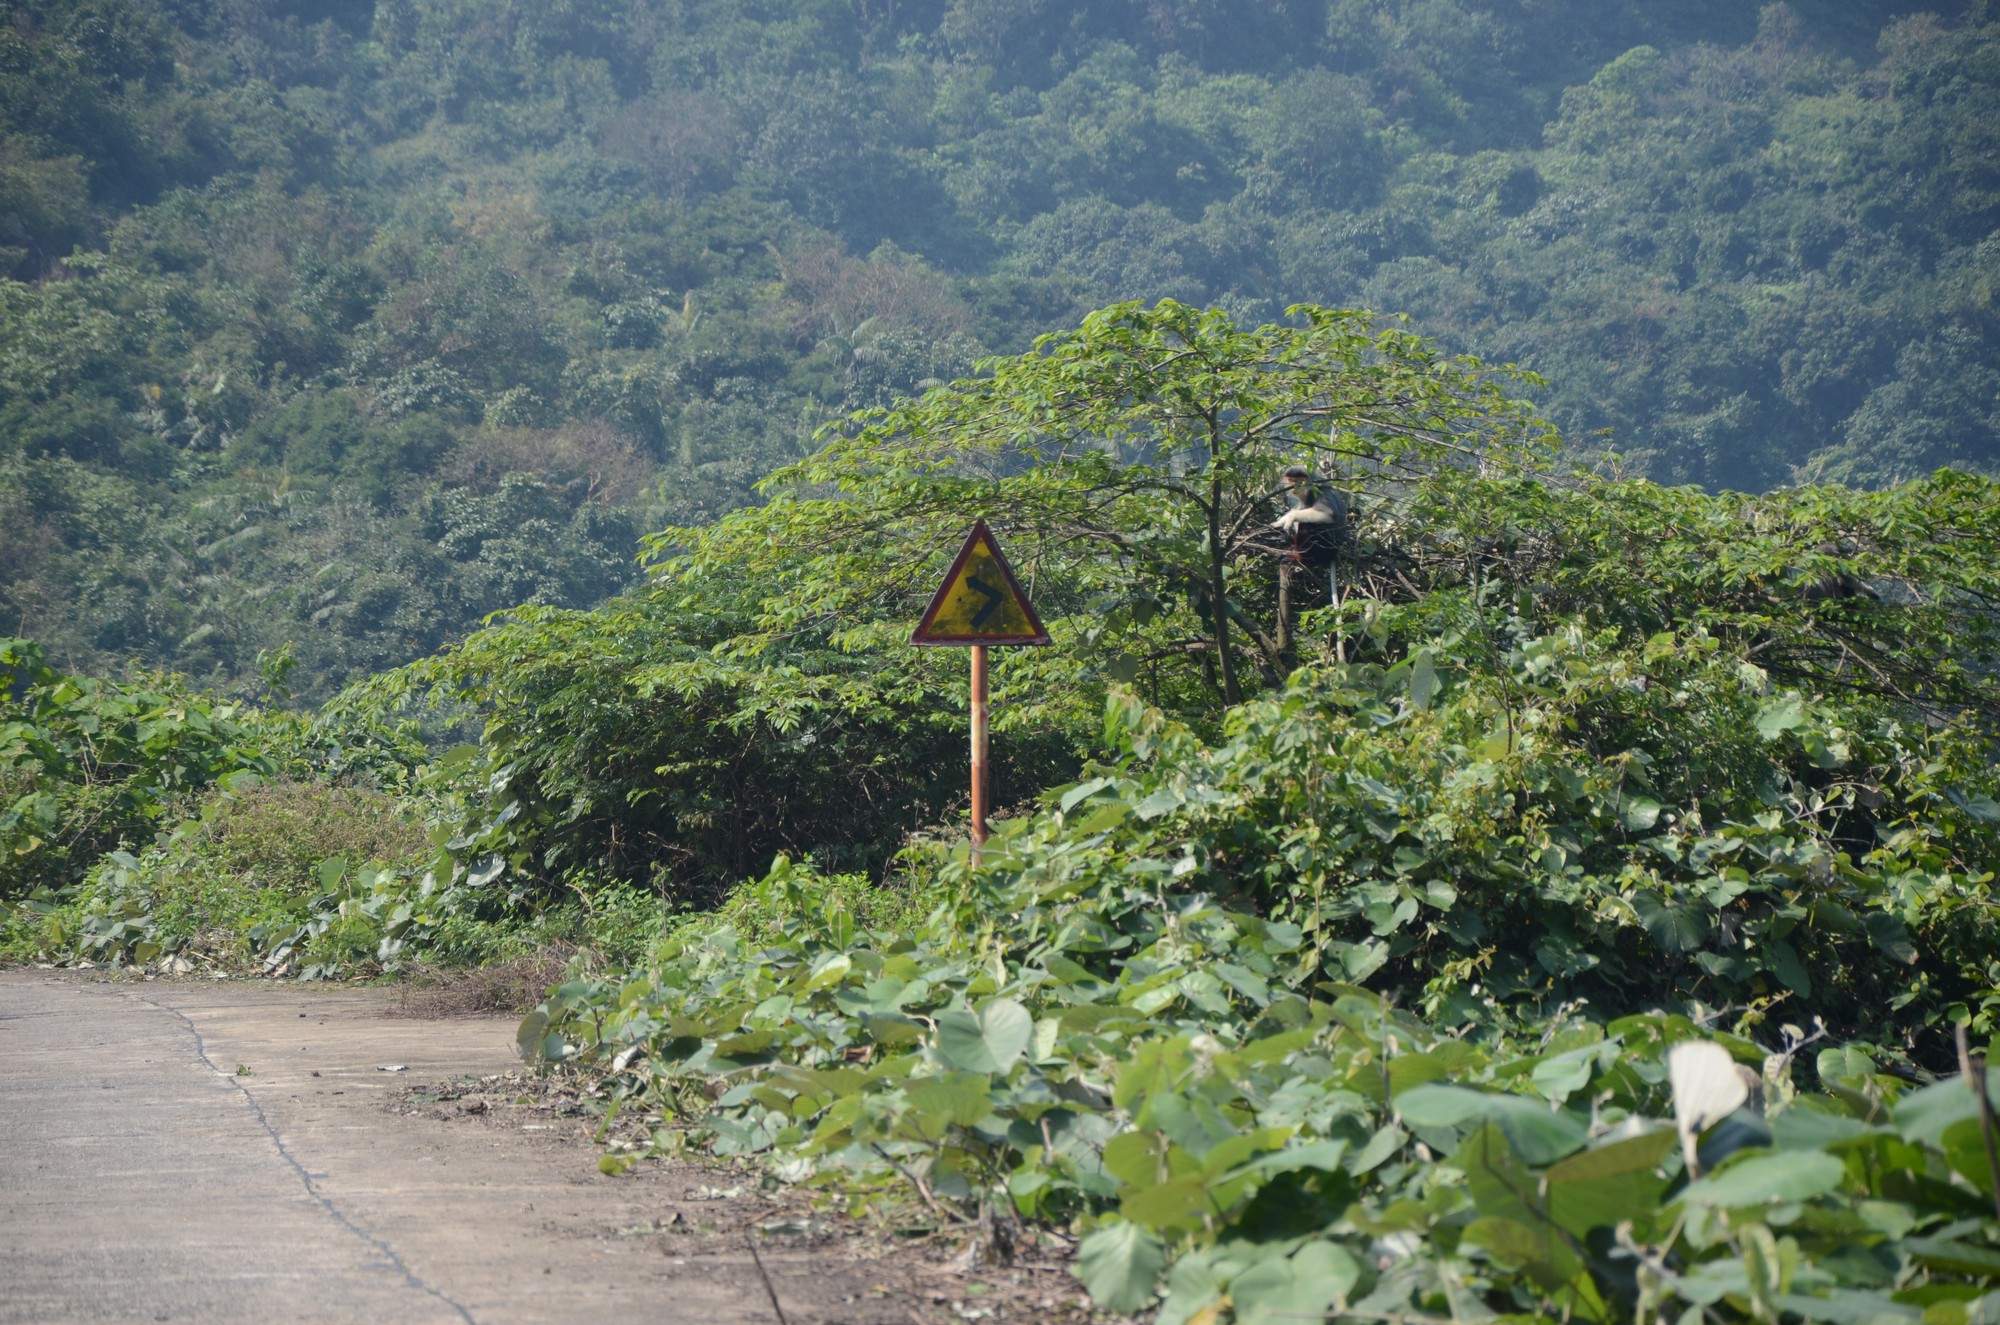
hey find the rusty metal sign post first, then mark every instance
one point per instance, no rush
(980, 604)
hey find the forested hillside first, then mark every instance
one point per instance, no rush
(1587, 916)
(1557, 887)
(330, 327)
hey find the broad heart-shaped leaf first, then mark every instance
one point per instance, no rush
(1597, 1188)
(1388, 1139)
(1676, 926)
(1923, 1115)
(1198, 1280)
(1508, 1194)
(1320, 1156)
(1178, 1203)
(991, 1040)
(1120, 1265)
(1844, 1064)
(1302, 1286)
(1546, 1258)
(1423, 680)
(1964, 1147)
(1792, 1176)
(1562, 1075)
(1511, 1242)
(1785, 964)
(1640, 812)
(1890, 936)
(1136, 1158)
(1083, 791)
(1538, 1134)
(528, 1039)
(1983, 808)
(1781, 715)
(962, 1099)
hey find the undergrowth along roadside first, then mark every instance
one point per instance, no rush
(1575, 776)
(143, 823)
(87, 764)
(281, 867)
(1232, 1148)
(1141, 1019)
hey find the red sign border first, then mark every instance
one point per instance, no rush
(925, 635)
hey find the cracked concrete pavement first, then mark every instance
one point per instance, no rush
(221, 1151)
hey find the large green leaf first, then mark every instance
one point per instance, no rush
(1849, 1306)
(1599, 1187)
(1538, 1133)
(1675, 926)
(990, 1040)
(1302, 1286)
(1780, 715)
(1640, 812)
(961, 1099)
(1120, 1264)
(1513, 1243)
(529, 1036)
(1548, 1261)
(1954, 1256)
(1845, 1064)
(1175, 1204)
(1562, 1075)
(1765, 1178)
(1889, 934)
(1320, 1156)
(1423, 680)
(1924, 1115)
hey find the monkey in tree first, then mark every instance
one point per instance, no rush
(1316, 523)
(1834, 584)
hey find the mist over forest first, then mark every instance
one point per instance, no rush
(340, 325)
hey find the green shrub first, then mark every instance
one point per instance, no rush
(1168, 1079)
(316, 880)
(277, 833)
(1361, 1000)
(790, 900)
(1625, 827)
(86, 765)
(240, 883)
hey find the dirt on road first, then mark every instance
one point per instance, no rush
(223, 1151)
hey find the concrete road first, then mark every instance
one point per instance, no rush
(223, 1151)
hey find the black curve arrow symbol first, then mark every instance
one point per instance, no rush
(994, 597)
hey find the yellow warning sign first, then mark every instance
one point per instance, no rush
(980, 601)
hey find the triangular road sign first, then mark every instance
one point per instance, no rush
(980, 601)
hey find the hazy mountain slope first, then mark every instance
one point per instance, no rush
(344, 269)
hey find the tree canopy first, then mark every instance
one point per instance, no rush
(291, 293)
(1308, 918)
(758, 695)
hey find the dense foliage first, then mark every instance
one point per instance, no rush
(1353, 934)
(1356, 936)
(149, 825)
(344, 325)
(145, 822)
(1351, 983)
(88, 765)
(1562, 851)
(756, 697)
(1081, 1037)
